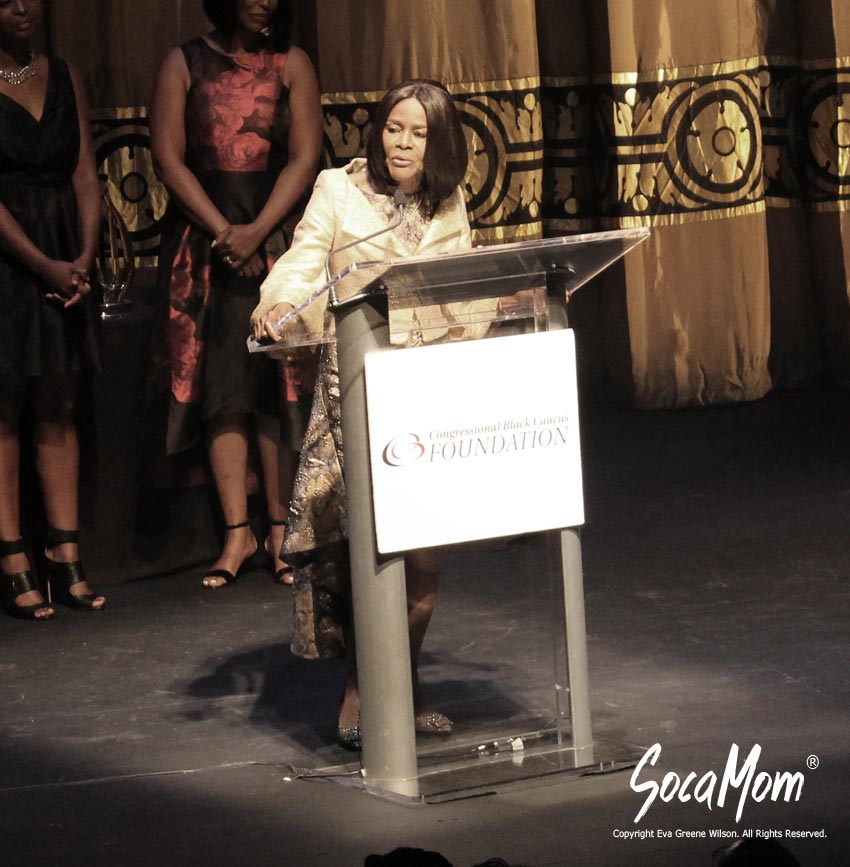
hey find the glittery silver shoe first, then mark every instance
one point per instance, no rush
(432, 722)
(349, 738)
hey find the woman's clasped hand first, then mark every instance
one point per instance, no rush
(237, 246)
(71, 281)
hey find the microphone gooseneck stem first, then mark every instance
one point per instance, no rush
(400, 200)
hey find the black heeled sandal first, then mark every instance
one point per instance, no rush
(284, 575)
(61, 577)
(228, 576)
(18, 583)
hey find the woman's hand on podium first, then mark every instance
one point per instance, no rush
(264, 329)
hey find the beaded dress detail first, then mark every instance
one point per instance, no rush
(414, 221)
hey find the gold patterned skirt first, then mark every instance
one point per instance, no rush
(317, 531)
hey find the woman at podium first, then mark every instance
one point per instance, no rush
(416, 147)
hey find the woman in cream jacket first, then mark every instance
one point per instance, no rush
(417, 146)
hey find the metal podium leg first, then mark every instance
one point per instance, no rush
(573, 575)
(379, 595)
(582, 734)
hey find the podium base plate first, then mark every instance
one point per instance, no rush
(498, 768)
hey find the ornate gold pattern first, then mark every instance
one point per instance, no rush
(682, 147)
(825, 128)
(569, 189)
(125, 167)
(780, 93)
(691, 143)
(574, 154)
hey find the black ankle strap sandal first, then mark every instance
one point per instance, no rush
(9, 549)
(228, 576)
(57, 537)
(284, 575)
(61, 577)
(18, 583)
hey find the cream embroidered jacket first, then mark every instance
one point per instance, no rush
(338, 213)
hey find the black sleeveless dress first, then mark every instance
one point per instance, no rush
(37, 160)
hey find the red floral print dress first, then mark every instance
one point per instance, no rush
(237, 126)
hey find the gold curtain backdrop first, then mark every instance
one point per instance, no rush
(118, 46)
(725, 127)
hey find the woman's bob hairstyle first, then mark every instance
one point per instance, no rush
(224, 16)
(446, 153)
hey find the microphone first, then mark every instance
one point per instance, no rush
(400, 201)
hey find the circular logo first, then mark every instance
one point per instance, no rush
(403, 450)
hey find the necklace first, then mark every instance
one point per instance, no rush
(21, 75)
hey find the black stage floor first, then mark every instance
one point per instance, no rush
(717, 569)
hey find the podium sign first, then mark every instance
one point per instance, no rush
(474, 440)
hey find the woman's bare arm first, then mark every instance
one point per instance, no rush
(168, 145)
(87, 193)
(305, 144)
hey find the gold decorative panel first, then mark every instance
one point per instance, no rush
(681, 146)
(569, 190)
(825, 134)
(125, 168)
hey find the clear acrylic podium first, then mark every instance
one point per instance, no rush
(543, 729)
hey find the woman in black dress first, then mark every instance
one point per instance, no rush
(236, 129)
(49, 221)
